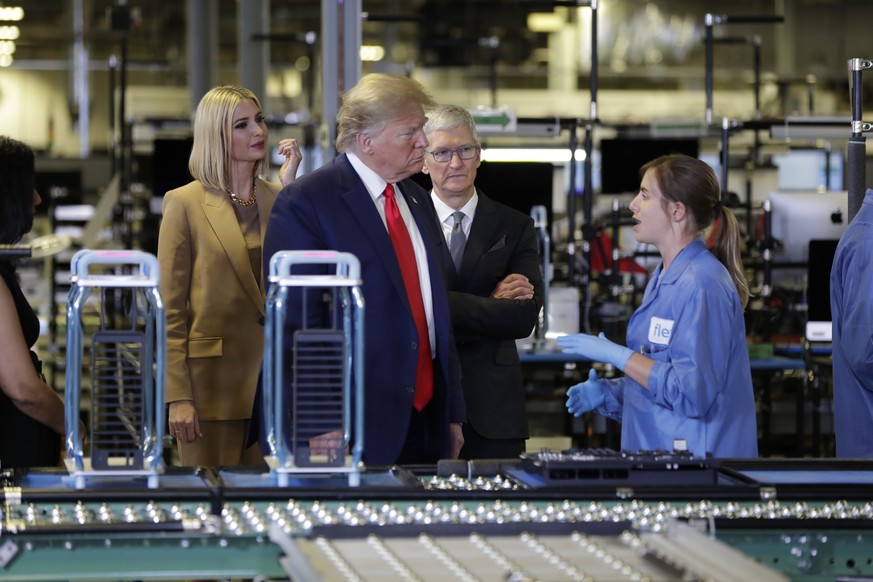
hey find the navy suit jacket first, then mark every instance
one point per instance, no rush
(330, 209)
(502, 241)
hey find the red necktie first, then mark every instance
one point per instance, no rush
(408, 268)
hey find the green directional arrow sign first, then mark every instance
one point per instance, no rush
(494, 120)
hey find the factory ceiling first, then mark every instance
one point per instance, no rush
(641, 42)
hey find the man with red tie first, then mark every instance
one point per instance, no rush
(363, 203)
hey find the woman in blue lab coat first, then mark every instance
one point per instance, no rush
(687, 382)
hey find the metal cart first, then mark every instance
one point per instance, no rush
(313, 390)
(127, 346)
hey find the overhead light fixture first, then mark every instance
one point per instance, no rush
(372, 53)
(9, 32)
(5, 60)
(554, 155)
(545, 21)
(7, 47)
(11, 13)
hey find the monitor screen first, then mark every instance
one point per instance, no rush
(807, 170)
(519, 185)
(621, 159)
(797, 219)
(170, 164)
(818, 296)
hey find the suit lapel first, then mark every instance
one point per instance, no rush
(482, 233)
(222, 219)
(360, 203)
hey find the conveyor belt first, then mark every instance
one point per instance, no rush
(802, 519)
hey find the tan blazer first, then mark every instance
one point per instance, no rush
(213, 301)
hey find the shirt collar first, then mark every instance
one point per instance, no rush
(374, 183)
(444, 211)
(685, 256)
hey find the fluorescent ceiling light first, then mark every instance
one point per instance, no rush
(557, 155)
(372, 53)
(14, 13)
(544, 21)
(9, 32)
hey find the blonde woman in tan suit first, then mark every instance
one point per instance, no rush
(212, 279)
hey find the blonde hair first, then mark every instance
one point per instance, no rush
(376, 99)
(692, 182)
(213, 135)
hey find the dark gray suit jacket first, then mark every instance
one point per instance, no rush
(502, 241)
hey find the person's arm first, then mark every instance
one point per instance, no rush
(18, 378)
(513, 286)
(638, 368)
(175, 256)
(508, 312)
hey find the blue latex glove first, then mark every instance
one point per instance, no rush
(596, 348)
(586, 396)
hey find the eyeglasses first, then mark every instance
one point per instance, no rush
(464, 152)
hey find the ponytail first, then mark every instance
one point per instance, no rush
(726, 247)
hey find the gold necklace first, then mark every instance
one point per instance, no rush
(240, 201)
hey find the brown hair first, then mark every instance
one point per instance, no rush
(693, 183)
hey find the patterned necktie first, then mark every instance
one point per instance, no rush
(409, 269)
(457, 240)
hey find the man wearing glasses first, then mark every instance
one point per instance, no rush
(495, 286)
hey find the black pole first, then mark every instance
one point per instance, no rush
(571, 210)
(588, 230)
(856, 175)
(492, 79)
(857, 148)
(492, 43)
(810, 93)
(594, 67)
(615, 274)
(121, 21)
(750, 169)
(588, 193)
(113, 138)
(827, 150)
(725, 138)
(310, 127)
(767, 246)
(749, 19)
(124, 183)
(756, 44)
(709, 21)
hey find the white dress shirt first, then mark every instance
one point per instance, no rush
(376, 187)
(444, 214)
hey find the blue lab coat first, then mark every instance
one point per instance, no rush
(700, 388)
(852, 314)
